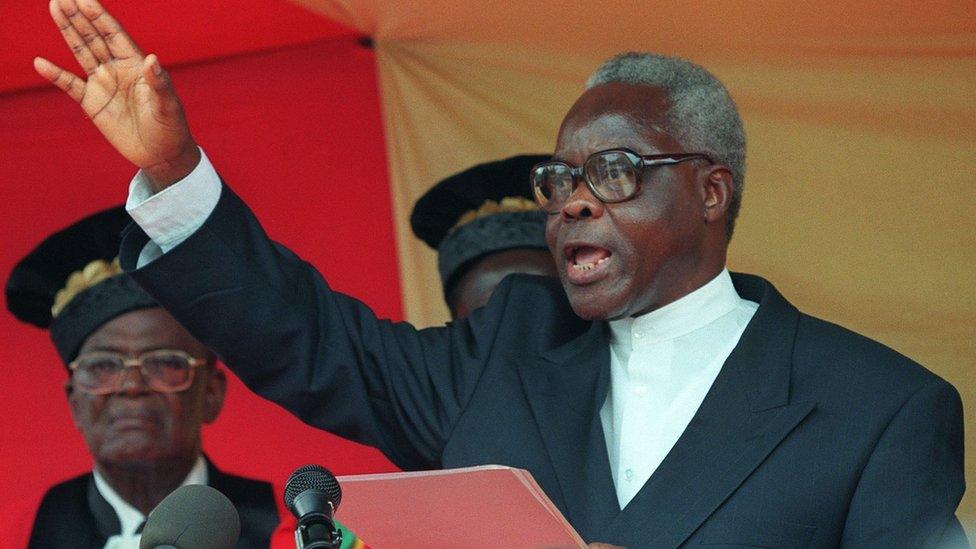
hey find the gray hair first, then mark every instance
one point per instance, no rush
(703, 117)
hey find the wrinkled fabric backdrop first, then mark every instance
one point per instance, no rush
(860, 117)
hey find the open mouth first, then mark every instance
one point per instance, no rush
(587, 258)
(586, 263)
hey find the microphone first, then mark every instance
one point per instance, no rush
(192, 517)
(312, 494)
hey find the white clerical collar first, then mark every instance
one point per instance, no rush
(687, 314)
(130, 517)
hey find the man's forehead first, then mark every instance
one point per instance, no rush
(643, 102)
(612, 131)
(616, 115)
(608, 133)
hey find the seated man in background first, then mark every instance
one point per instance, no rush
(485, 226)
(140, 387)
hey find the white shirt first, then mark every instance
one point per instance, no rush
(194, 197)
(662, 364)
(131, 518)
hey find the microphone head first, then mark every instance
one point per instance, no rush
(312, 477)
(192, 517)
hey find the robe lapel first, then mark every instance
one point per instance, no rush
(744, 416)
(566, 388)
(106, 521)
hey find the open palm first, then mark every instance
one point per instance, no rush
(127, 95)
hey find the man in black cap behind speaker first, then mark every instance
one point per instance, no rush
(139, 387)
(485, 226)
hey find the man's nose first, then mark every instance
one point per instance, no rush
(133, 381)
(582, 204)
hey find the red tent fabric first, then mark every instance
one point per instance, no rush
(280, 112)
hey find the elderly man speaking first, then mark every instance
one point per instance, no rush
(658, 400)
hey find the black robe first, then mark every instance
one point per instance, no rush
(73, 514)
(810, 436)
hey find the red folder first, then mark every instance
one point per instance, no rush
(489, 506)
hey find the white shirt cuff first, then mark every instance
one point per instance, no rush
(170, 216)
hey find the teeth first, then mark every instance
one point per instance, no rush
(588, 266)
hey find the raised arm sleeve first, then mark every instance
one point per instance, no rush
(170, 216)
(324, 356)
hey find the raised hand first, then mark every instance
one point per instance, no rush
(128, 96)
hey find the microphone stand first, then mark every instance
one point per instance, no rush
(317, 531)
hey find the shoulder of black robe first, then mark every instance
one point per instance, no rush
(74, 514)
(255, 503)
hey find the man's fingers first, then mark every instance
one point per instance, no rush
(154, 74)
(85, 29)
(69, 83)
(84, 55)
(163, 99)
(119, 43)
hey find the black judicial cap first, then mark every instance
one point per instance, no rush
(75, 274)
(484, 209)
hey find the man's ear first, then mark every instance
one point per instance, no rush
(72, 396)
(717, 189)
(216, 389)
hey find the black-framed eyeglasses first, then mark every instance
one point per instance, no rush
(612, 175)
(165, 371)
